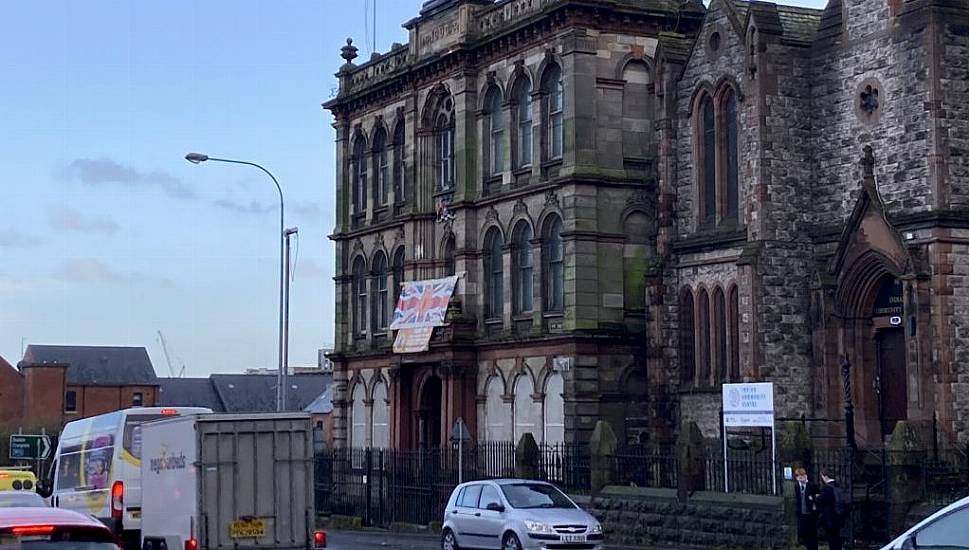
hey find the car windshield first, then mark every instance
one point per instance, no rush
(535, 495)
(61, 538)
(20, 500)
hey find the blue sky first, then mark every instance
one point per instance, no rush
(107, 235)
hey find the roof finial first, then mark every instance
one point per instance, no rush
(349, 52)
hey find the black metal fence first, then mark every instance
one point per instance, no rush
(384, 486)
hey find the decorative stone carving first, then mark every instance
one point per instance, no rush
(491, 216)
(521, 207)
(358, 245)
(349, 52)
(399, 236)
(378, 241)
(552, 200)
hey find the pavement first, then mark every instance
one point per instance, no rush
(374, 539)
(371, 540)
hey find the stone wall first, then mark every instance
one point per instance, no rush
(955, 76)
(655, 518)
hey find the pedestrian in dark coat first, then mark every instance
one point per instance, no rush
(831, 513)
(806, 493)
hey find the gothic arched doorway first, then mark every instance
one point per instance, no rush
(891, 376)
(429, 414)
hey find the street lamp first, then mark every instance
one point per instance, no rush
(197, 158)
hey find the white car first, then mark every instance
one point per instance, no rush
(946, 529)
(516, 514)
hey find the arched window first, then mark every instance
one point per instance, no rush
(637, 111)
(379, 288)
(398, 269)
(554, 409)
(448, 254)
(381, 168)
(708, 162)
(358, 168)
(526, 411)
(399, 197)
(720, 336)
(359, 298)
(687, 337)
(703, 341)
(717, 158)
(523, 121)
(522, 267)
(497, 417)
(444, 135)
(730, 121)
(493, 274)
(733, 316)
(380, 413)
(496, 130)
(553, 268)
(554, 98)
(358, 417)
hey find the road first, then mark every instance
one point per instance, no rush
(369, 540)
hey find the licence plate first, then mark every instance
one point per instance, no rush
(573, 538)
(251, 529)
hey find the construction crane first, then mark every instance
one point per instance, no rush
(168, 359)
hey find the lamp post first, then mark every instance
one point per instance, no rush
(196, 158)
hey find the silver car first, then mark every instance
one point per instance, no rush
(516, 514)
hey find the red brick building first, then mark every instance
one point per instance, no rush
(53, 385)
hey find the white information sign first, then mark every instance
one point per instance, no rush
(748, 405)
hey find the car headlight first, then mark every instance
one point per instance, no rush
(596, 529)
(538, 527)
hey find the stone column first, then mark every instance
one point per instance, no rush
(538, 286)
(690, 461)
(907, 452)
(465, 136)
(602, 448)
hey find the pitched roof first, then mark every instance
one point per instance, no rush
(795, 24)
(97, 365)
(189, 392)
(322, 404)
(257, 392)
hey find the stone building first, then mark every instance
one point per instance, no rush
(814, 212)
(510, 143)
(647, 199)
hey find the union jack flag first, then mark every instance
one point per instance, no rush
(423, 303)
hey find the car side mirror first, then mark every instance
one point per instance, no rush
(43, 489)
(908, 543)
(495, 507)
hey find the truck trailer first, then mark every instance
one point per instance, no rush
(229, 482)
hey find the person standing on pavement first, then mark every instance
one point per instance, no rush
(831, 509)
(806, 493)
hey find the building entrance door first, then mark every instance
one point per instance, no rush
(892, 380)
(429, 415)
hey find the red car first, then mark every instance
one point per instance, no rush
(53, 529)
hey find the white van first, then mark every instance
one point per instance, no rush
(97, 467)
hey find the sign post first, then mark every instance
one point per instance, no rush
(749, 406)
(29, 447)
(460, 434)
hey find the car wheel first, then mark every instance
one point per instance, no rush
(448, 542)
(511, 542)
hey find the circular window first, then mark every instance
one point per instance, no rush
(714, 41)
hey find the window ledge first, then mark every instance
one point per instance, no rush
(494, 321)
(523, 316)
(553, 314)
(523, 170)
(552, 162)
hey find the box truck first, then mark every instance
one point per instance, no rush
(229, 482)
(97, 467)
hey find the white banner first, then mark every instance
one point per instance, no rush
(748, 405)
